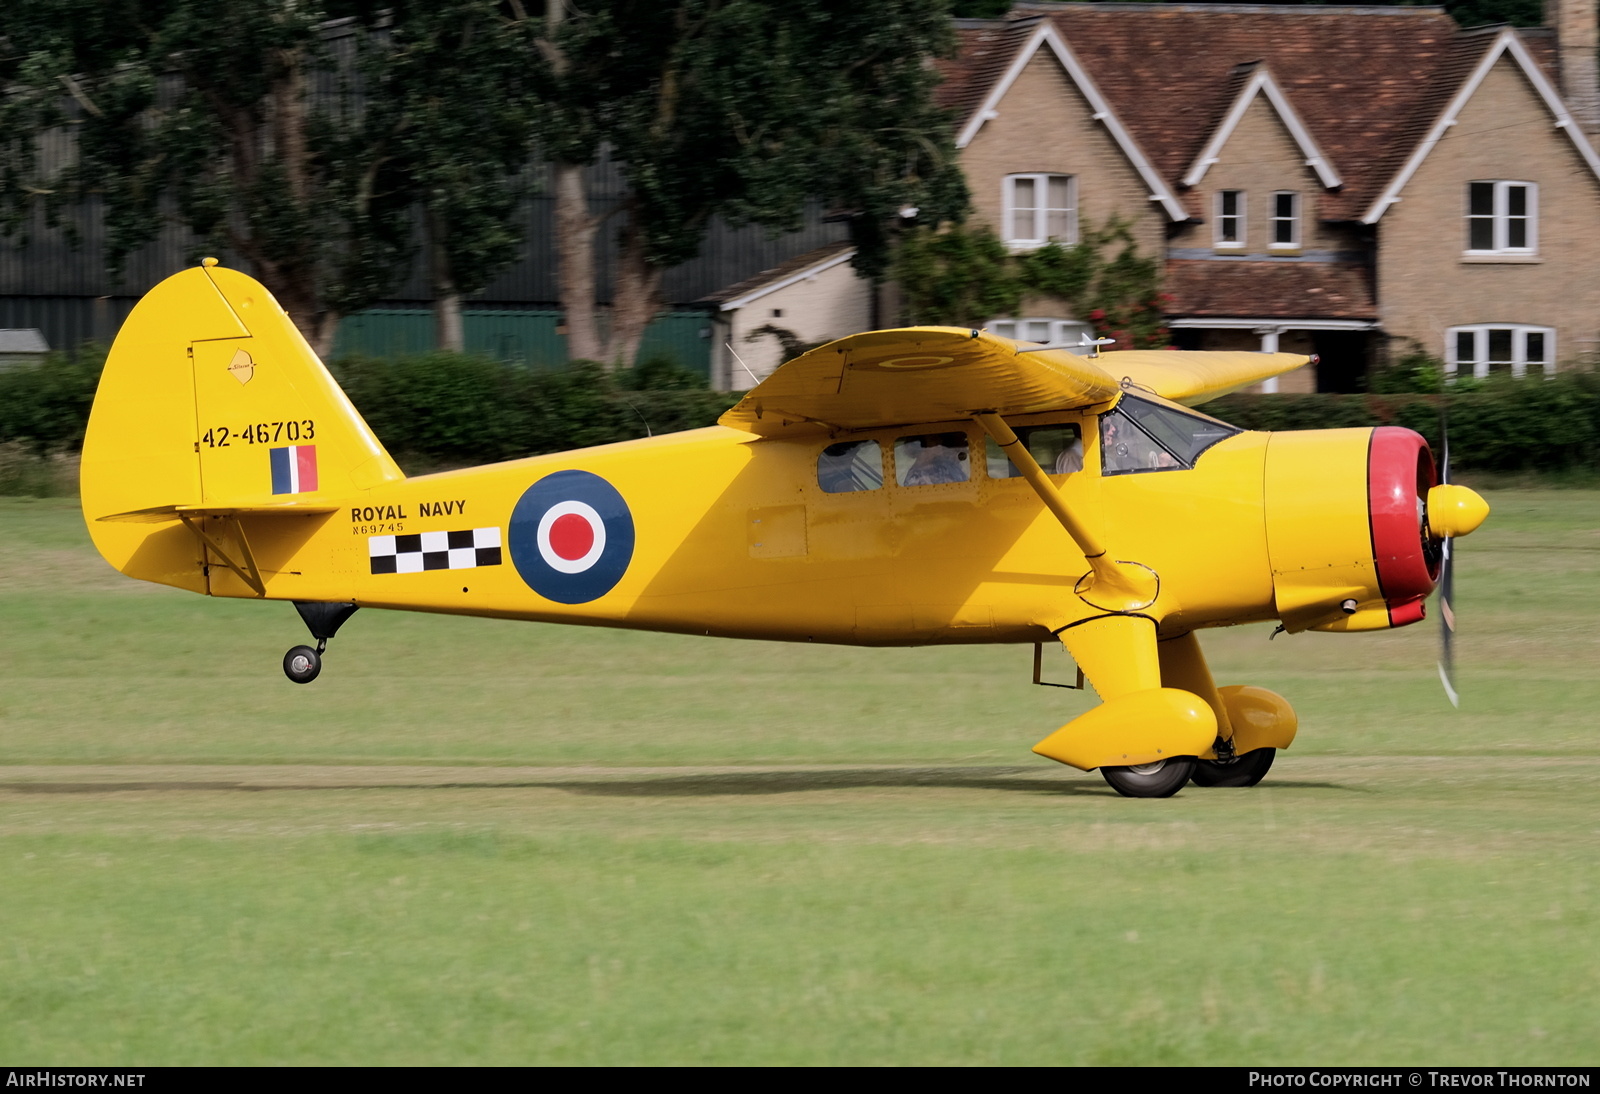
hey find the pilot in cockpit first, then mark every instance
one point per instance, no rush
(938, 462)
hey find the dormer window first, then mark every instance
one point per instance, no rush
(1039, 209)
(1502, 218)
(1285, 221)
(1230, 220)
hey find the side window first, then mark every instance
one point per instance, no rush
(931, 458)
(1036, 209)
(1045, 331)
(1057, 448)
(850, 466)
(1285, 220)
(1502, 218)
(1229, 227)
(1481, 350)
(1145, 436)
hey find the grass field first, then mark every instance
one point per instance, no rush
(478, 841)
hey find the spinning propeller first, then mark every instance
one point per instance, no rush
(1451, 511)
(1447, 614)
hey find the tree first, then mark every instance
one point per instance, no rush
(747, 110)
(456, 82)
(299, 142)
(967, 276)
(207, 117)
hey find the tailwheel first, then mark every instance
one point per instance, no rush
(302, 664)
(1246, 770)
(1161, 779)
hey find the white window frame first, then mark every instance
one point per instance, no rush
(1230, 244)
(1058, 330)
(1501, 218)
(1041, 211)
(1480, 357)
(1273, 220)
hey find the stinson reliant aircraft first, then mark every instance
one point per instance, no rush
(893, 488)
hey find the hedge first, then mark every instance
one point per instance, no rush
(1498, 425)
(443, 409)
(448, 408)
(434, 409)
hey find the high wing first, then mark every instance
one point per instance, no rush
(1192, 377)
(938, 374)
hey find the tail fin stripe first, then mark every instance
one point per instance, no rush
(282, 472)
(294, 469)
(306, 466)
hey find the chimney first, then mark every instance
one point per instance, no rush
(1576, 40)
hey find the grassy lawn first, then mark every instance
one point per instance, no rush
(481, 841)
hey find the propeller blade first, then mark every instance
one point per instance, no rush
(1444, 436)
(1447, 590)
(1447, 624)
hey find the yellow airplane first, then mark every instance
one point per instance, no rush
(893, 488)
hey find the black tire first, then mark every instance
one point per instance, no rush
(302, 664)
(1161, 779)
(1246, 770)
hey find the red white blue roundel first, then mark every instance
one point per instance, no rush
(571, 537)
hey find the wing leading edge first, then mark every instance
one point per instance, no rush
(938, 374)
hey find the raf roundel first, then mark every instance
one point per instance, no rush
(571, 537)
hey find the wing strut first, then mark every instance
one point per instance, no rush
(1113, 585)
(245, 566)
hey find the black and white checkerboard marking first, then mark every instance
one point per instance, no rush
(412, 554)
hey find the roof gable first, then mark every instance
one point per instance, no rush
(1258, 81)
(1045, 37)
(1365, 91)
(1508, 45)
(800, 268)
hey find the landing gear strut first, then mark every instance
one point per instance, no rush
(302, 664)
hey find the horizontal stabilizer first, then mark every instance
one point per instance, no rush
(162, 513)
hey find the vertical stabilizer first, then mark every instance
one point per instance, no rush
(212, 398)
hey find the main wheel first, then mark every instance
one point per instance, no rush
(1161, 779)
(302, 664)
(1246, 770)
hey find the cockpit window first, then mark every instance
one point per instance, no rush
(931, 458)
(850, 466)
(1056, 448)
(1140, 435)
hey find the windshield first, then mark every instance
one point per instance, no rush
(1141, 435)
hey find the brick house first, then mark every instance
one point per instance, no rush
(1347, 181)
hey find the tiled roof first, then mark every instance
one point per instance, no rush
(1268, 289)
(1367, 81)
(984, 47)
(798, 264)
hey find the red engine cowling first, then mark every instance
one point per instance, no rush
(1400, 472)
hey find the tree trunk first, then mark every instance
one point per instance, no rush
(448, 333)
(575, 231)
(289, 271)
(327, 329)
(448, 330)
(636, 300)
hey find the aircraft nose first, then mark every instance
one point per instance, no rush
(1455, 511)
